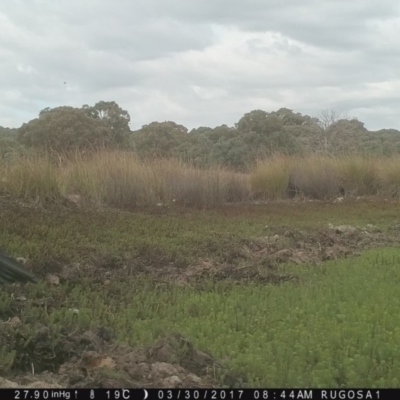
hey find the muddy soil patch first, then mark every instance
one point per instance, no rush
(42, 358)
(255, 260)
(258, 259)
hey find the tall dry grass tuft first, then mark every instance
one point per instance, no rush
(31, 178)
(389, 176)
(108, 177)
(315, 177)
(120, 179)
(358, 174)
(270, 178)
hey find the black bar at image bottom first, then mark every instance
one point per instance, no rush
(198, 394)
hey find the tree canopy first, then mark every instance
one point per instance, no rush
(112, 115)
(103, 125)
(65, 128)
(257, 134)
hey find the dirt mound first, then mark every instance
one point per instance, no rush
(258, 260)
(86, 359)
(313, 247)
(254, 260)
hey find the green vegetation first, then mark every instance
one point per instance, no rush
(338, 328)
(334, 326)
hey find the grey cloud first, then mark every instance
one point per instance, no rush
(332, 23)
(200, 62)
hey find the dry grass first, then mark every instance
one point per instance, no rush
(120, 179)
(31, 178)
(324, 178)
(358, 175)
(316, 177)
(270, 178)
(389, 177)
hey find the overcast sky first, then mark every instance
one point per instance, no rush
(201, 62)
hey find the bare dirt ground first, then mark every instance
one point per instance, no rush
(93, 359)
(256, 260)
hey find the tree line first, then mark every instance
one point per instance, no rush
(256, 135)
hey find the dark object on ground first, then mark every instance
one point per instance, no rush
(12, 271)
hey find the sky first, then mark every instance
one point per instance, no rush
(201, 62)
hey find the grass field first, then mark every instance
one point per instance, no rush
(269, 318)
